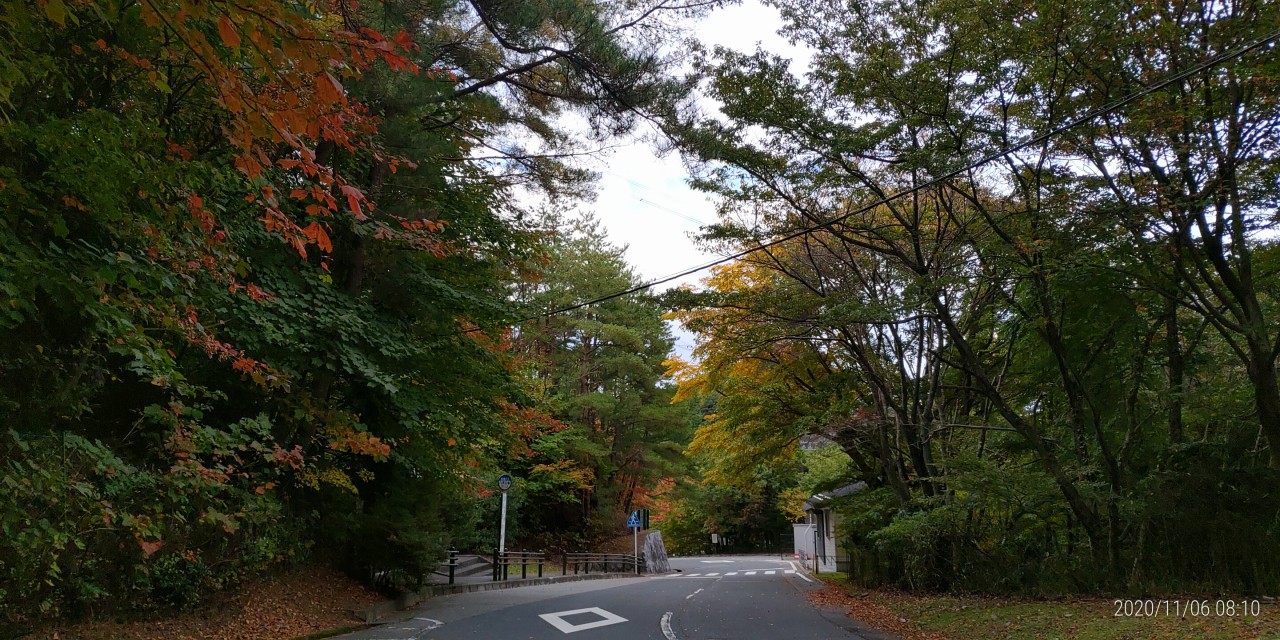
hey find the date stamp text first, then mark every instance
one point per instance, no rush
(1206, 608)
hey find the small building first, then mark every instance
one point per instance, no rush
(816, 537)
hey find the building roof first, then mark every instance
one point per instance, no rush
(816, 500)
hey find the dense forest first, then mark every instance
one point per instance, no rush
(265, 281)
(289, 282)
(1019, 262)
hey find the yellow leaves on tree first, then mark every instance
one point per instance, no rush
(565, 473)
(345, 438)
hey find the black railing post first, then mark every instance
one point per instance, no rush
(524, 563)
(506, 565)
(587, 569)
(496, 559)
(453, 563)
(541, 556)
(564, 562)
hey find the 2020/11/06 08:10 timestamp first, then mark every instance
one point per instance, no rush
(1188, 608)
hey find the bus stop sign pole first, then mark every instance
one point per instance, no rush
(504, 483)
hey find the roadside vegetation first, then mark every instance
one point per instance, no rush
(1018, 262)
(263, 278)
(919, 616)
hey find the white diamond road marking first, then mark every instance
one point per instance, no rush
(557, 619)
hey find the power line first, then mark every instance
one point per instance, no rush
(1059, 130)
(672, 211)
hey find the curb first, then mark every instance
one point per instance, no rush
(375, 613)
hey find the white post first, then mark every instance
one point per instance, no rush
(502, 527)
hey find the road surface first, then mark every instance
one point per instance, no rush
(711, 598)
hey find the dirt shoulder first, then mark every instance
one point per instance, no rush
(294, 604)
(939, 617)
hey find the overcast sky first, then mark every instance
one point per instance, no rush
(644, 202)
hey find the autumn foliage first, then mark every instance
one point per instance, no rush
(255, 291)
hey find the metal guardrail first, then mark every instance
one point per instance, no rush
(504, 560)
(582, 560)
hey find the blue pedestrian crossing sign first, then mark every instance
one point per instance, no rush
(634, 520)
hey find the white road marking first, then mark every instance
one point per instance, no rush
(732, 573)
(793, 565)
(434, 623)
(751, 573)
(769, 573)
(716, 561)
(691, 575)
(557, 619)
(806, 578)
(789, 571)
(693, 594)
(712, 574)
(666, 627)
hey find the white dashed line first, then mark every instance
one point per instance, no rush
(769, 573)
(789, 571)
(751, 573)
(692, 575)
(731, 573)
(666, 627)
(712, 574)
(693, 594)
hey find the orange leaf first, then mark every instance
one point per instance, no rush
(228, 32)
(317, 234)
(328, 89)
(354, 196)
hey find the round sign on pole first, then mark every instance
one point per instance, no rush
(504, 482)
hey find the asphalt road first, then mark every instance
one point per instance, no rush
(712, 598)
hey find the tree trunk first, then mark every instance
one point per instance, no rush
(1177, 373)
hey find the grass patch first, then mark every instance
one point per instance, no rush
(1085, 618)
